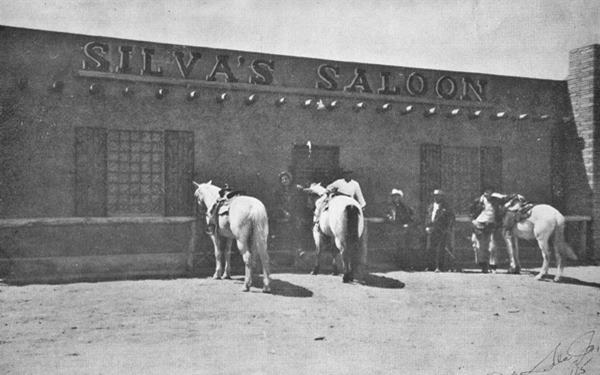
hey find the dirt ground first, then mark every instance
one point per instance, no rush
(400, 322)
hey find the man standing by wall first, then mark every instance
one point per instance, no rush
(401, 216)
(438, 226)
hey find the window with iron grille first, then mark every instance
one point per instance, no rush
(135, 178)
(127, 172)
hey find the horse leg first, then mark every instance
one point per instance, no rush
(247, 256)
(508, 238)
(545, 248)
(559, 264)
(346, 261)
(264, 259)
(218, 258)
(319, 240)
(227, 272)
(492, 252)
(517, 256)
(335, 261)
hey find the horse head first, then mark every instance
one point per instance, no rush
(206, 192)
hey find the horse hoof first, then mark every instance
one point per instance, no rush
(315, 271)
(539, 277)
(556, 279)
(266, 289)
(216, 277)
(226, 277)
(334, 270)
(246, 288)
(347, 279)
(514, 271)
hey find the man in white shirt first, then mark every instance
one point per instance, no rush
(346, 186)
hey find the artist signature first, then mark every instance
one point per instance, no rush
(573, 359)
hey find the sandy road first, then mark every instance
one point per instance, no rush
(419, 323)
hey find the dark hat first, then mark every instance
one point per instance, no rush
(285, 173)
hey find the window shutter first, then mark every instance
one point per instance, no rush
(491, 168)
(431, 171)
(90, 171)
(179, 168)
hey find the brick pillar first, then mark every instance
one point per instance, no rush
(584, 90)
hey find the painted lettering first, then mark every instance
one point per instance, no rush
(359, 81)
(386, 85)
(445, 87)
(186, 68)
(147, 63)
(416, 84)
(262, 72)
(222, 67)
(328, 74)
(94, 51)
(125, 59)
(477, 88)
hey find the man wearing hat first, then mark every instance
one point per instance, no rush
(401, 215)
(438, 226)
(399, 212)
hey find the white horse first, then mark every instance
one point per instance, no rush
(246, 222)
(544, 224)
(343, 222)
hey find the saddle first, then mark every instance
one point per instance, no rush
(220, 208)
(517, 213)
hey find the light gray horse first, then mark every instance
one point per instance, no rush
(342, 221)
(245, 221)
(543, 224)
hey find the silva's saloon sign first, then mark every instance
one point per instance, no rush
(189, 64)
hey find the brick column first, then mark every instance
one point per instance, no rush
(584, 90)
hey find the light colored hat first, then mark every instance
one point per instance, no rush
(397, 192)
(438, 192)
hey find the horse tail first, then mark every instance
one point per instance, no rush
(560, 244)
(259, 234)
(352, 216)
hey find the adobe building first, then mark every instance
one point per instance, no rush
(101, 139)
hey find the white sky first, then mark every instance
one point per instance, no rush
(529, 38)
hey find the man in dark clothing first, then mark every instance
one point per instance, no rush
(289, 215)
(439, 224)
(402, 216)
(399, 212)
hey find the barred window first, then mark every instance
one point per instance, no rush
(462, 172)
(127, 172)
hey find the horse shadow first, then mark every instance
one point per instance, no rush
(280, 287)
(377, 281)
(567, 280)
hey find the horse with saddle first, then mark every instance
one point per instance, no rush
(515, 217)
